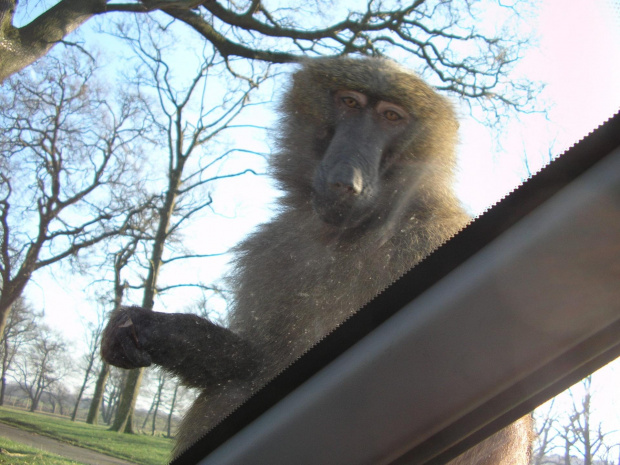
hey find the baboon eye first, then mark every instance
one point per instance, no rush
(351, 99)
(351, 102)
(392, 112)
(391, 115)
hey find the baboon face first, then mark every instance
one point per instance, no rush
(364, 136)
(361, 140)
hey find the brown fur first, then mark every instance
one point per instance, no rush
(510, 446)
(330, 249)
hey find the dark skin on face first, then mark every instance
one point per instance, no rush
(347, 179)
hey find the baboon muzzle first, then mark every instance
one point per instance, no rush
(347, 177)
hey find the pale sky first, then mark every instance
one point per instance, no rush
(579, 58)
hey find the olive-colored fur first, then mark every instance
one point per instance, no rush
(365, 160)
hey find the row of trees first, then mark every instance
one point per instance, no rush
(33, 355)
(571, 430)
(38, 372)
(125, 154)
(77, 153)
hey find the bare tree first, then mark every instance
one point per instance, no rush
(569, 440)
(439, 36)
(96, 402)
(161, 382)
(186, 126)
(611, 455)
(112, 394)
(156, 401)
(91, 357)
(546, 433)
(19, 330)
(570, 436)
(586, 437)
(166, 390)
(120, 259)
(68, 143)
(59, 396)
(42, 365)
(178, 393)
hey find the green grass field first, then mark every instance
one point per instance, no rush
(14, 453)
(137, 448)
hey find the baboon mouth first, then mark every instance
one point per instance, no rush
(340, 215)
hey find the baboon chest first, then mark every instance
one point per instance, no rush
(311, 292)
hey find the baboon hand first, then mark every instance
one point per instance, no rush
(124, 340)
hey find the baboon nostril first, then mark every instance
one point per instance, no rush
(347, 180)
(348, 188)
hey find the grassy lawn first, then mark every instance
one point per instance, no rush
(138, 448)
(14, 453)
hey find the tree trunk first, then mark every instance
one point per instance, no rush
(108, 412)
(148, 414)
(160, 388)
(129, 424)
(5, 309)
(34, 405)
(20, 47)
(5, 367)
(122, 421)
(172, 405)
(567, 447)
(79, 396)
(95, 404)
(2, 389)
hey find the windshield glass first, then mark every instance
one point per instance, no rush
(205, 193)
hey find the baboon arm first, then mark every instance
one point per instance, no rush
(201, 353)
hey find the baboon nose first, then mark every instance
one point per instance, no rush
(346, 180)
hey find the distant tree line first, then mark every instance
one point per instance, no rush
(571, 435)
(37, 373)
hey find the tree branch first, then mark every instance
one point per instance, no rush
(19, 47)
(185, 257)
(224, 46)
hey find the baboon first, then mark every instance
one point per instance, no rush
(365, 161)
